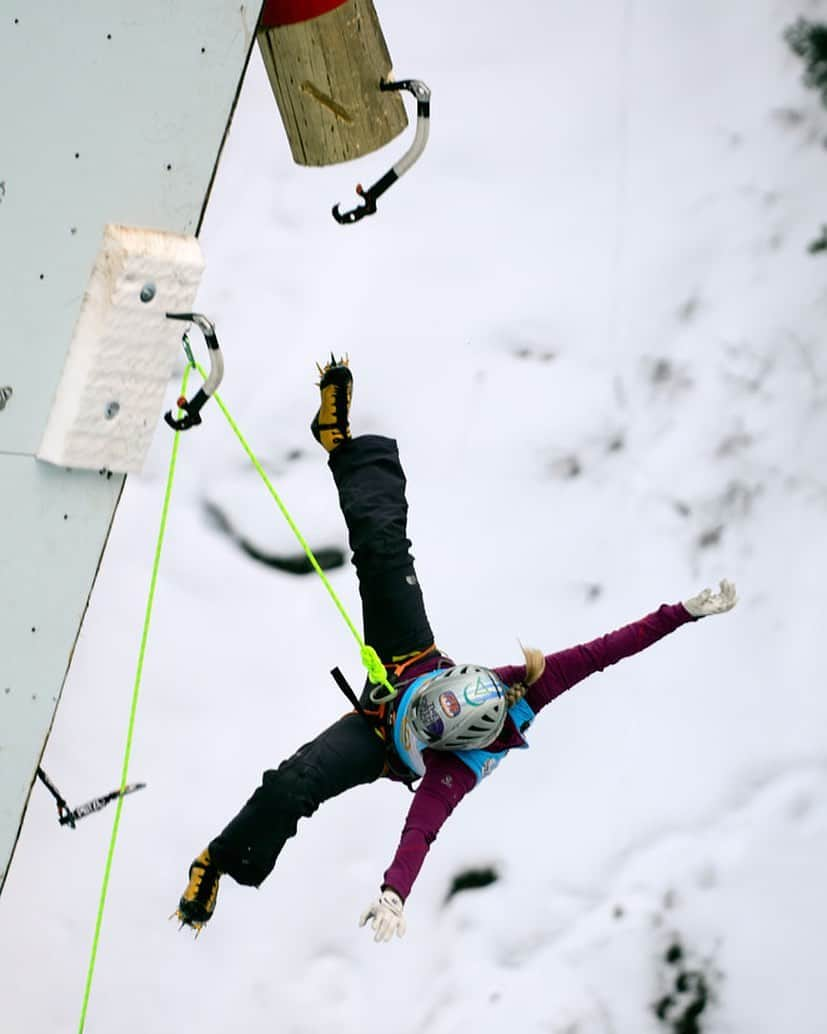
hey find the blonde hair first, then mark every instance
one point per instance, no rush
(535, 664)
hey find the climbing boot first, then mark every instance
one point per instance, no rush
(330, 426)
(197, 903)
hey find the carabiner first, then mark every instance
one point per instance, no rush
(192, 407)
(423, 123)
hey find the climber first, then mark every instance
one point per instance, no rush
(448, 725)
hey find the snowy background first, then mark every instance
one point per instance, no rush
(590, 319)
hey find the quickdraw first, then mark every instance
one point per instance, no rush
(69, 816)
(423, 124)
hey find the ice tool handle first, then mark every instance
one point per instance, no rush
(192, 407)
(423, 123)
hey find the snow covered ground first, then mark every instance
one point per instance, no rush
(590, 319)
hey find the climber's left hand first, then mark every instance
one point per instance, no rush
(386, 916)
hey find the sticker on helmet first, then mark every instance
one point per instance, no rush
(449, 704)
(432, 724)
(435, 729)
(481, 692)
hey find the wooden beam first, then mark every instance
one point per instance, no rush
(325, 73)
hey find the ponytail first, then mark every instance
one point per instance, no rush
(535, 664)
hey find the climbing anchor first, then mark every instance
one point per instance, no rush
(423, 122)
(192, 407)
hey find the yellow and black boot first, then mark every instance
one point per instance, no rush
(197, 903)
(331, 425)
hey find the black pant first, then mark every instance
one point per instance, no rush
(371, 487)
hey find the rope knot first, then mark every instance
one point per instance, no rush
(378, 675)
(375, 667)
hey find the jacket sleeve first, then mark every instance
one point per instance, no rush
(566, 668)
(446, 781)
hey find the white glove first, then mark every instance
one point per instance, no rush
(709, 602)
(387, 917)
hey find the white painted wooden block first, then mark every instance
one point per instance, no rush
(109, 399)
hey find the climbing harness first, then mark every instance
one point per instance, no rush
(69, 816)
(423, 124)
(347, 689)
(380, 721)
(399, 669)
(192, 407)
(383, 717)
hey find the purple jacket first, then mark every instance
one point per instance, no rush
(447, 779)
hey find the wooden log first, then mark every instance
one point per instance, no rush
(325, 71)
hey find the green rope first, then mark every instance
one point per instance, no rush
(132, 712)
(370, 659)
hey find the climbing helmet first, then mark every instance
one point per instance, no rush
(459, 708)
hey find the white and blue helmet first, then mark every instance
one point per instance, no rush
(461, 708)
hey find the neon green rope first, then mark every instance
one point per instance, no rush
(133, 709)
(370, 659)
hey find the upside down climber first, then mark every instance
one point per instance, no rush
(447, 728)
